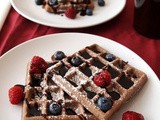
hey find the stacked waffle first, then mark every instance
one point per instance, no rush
(71, 85)
(60, 6)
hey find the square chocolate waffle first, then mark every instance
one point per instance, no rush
(75, 75)
(60, 6)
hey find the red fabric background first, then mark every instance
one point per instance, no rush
(18, 29)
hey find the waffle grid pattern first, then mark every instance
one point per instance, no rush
(38, 97)
(126, 80)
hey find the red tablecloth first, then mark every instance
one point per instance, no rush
(18, 29)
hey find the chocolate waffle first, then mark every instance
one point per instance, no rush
(63, 5)
(77, 80)
(41, 91)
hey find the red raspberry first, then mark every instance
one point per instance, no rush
(15, 94)
(38, 65)
(131, 115)
(34, 69)
(71, 13)
(103, 79)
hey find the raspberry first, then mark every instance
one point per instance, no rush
(15, 94)
(70, 13)
(38, 65)
(131, 115)
(36, 60)
(34, 69)
(103, 79)
(22, 86)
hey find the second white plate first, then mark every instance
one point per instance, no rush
(31, 11)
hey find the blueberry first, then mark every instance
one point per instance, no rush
(55, 108)
(109, 57)
(53, 2)
(87, 1)
(59, 55)
(39, 2)
(89, 12)
(76, 61)
(101, 2)
(104, 103)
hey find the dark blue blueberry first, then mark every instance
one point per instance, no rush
(101, 2)
(59, 55)
(53, 2)
(104, 103)
(39, 2)
(109, 57)
(89, 12)
(55, 108)
(76, 61)
(87, 1)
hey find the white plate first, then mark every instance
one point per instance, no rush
(13, 69)
(31, 11)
